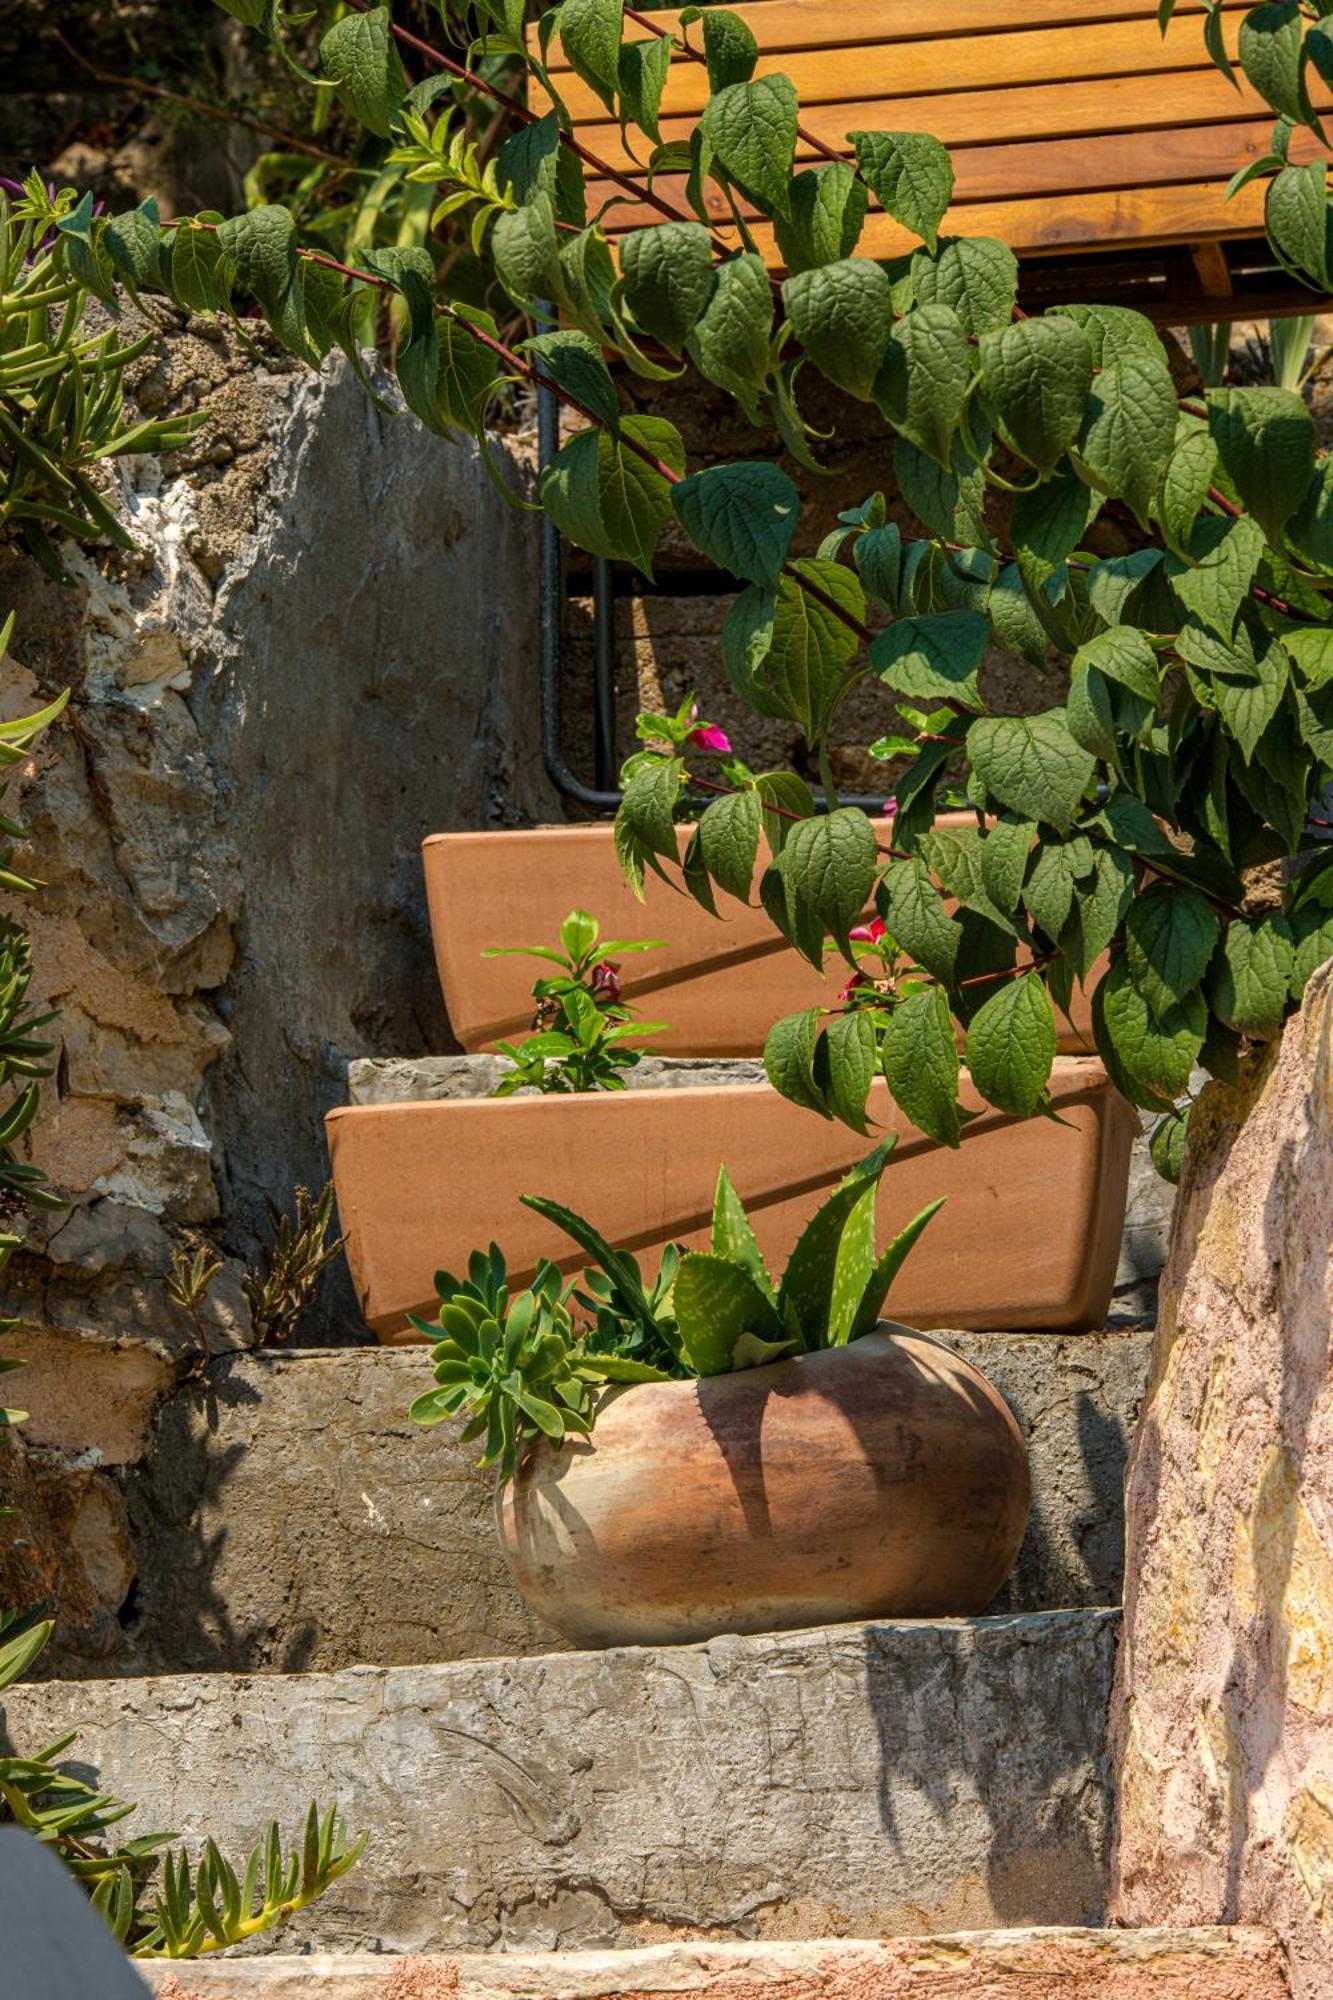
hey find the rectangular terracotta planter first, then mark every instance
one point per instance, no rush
(720, 983)
(1030, 1236)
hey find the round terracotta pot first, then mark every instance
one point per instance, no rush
(882, 1480)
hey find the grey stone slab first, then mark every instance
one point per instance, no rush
(291, 1516)
(852, 1780)
(416, 1079)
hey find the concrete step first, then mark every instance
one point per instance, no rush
(289, 1516)
(855, 1780)
(1036, 1964)
(428, 1079)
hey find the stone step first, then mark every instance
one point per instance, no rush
(861, 1780)
(289, 1516)
(1035, 1964)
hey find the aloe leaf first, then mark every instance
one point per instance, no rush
(733, 1238)
(806, 1293)
(716, 1302)
(887, 1267)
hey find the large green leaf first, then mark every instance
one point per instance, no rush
(918, 919)
(1272, 56)
(359, 57)
(1032, 764)
(805, 1294)
(910, 174)
(920, 1060)
(933, 658)
(729, 841)
(667, 273)
(1048, 522)
(1038, 374)
(1170, 935)
(590, 32)
(829, 864)
(974, 275)
(751, 129)
(1149, 1056)
(828, 206)
(1011, 1045)
(810, 647)
(1249, 982)
(789, 1061)
(742, 515)
(1265, 439)
(1129, 433)
(841, 314)
(730, 342)
(604, 496)
(1297, 218)
(924, 379)
(730, 49)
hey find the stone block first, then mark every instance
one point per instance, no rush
(1036, 1964)
(1224, 1714)
(851, 1780)
(398, 1562)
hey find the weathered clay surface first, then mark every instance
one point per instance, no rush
(399, 1561)
(1224, 1722)
(1051, 1964)
(850, 1780)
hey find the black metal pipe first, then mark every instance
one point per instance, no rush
(605, 762)
(551, 607)
(601, 795)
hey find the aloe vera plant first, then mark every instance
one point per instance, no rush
(517, 1369)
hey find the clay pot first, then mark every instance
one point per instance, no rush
(882, 1480)
(720, 983)
(1029, 1236)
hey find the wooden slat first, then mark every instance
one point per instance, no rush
(1121, 105)
(781, 26)
(1047, 55)
(1049, 167)
(1042, 227)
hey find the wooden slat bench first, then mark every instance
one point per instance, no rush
(1077, 129)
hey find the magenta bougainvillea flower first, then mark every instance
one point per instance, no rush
(707, 736)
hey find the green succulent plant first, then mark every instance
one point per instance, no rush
(517, 1370)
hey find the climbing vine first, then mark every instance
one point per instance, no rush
(1113, 833)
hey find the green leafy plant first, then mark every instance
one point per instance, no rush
(583, 1024)
(1169, 559)
(197, 1908)
(532, 1366)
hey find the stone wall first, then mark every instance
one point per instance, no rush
(322, 648)
(1223, 1719)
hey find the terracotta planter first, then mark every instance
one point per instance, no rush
(1030, 1236)
(721, 983)
(882, 1480)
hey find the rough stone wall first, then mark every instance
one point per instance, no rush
(322, 648)
(1223, 1717)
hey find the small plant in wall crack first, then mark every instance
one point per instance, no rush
(519, 1368)
(583, 1024)
(280, 1287)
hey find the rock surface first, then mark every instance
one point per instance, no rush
(851, 1780)
(1224, 1719)
(977, 1965)
(234, 1569)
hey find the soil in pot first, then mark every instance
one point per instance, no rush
(886, 1479)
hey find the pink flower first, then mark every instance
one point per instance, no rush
(707, 736)
(606, 980)
(857, 980)
(870, 933)
(890, 807)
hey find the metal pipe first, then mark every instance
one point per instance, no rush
(550, 598)
(605, 763)
(600, 796)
